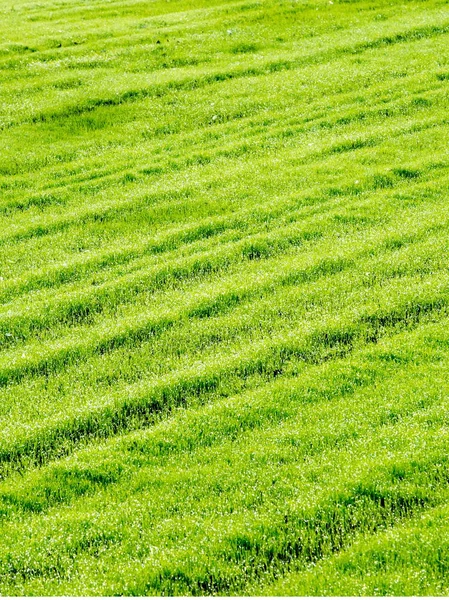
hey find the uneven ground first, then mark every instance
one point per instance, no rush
(224, 297)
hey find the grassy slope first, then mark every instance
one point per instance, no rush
(224, 297)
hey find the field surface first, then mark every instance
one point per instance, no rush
(224, 297)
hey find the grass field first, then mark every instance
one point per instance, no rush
(224, 319)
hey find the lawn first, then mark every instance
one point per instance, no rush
(224, 297)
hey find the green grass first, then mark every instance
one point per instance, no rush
(224, 297)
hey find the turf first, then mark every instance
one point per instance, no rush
(224, 297)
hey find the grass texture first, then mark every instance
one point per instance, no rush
(224, 297)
